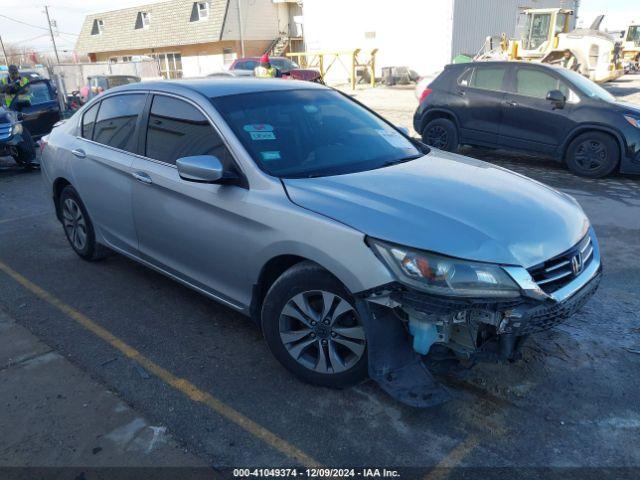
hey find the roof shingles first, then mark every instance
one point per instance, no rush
(170, 25)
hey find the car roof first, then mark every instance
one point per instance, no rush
(505, 63)
(220, 86)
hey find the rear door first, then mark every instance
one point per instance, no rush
(482, 88)
(42, 109)
(102, 168)
(530, 121)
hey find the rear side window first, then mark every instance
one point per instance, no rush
(116, 122)
(89, 121)
(535, 83)
(488, 78)
(177, 129)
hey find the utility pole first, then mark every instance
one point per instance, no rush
(53, 40)
(4, 52)
(240, 26)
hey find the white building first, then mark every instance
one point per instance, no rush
(421, 34)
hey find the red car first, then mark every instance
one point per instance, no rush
(286, 67)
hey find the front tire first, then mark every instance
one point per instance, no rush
(312, 327)
(78, 227)
(593, 155)
(442, 134)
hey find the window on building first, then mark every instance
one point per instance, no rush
(177, 129)
(143, 20)
(127, 58)
(199, 11)
(113, 60)
(228, 56)
(170, 64)
(97, 27)
(116, 122)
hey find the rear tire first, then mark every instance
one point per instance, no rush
(78, 227)
(25, 151)
(442, 134)
(312, 327)
(593, 155)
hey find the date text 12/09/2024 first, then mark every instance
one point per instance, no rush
(315, 472)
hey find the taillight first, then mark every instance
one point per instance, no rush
(425, 93)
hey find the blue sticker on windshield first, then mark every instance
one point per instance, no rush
(258, 127)
(262, 136)
(267, 156)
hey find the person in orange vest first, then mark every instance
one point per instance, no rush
(265, 70)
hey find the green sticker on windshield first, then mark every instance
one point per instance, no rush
(268, 156)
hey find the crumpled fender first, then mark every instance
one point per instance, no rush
(393, 364)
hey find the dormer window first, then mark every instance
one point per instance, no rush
(97, 27)
(143, 20)
(203, 10)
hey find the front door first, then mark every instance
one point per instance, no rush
(102, 166)
(39, 107)
(190, 230)
(482, 91)
(530, 121)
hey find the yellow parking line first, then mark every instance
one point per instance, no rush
(452, 459)
(181, 384)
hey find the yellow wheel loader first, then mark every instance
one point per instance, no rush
(547, 35)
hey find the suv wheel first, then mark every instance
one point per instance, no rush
(593, 155)
(313, 329)
(78, 227)
(442, 134)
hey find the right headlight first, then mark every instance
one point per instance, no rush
(442, 275)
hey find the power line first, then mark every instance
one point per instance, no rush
(34, 26)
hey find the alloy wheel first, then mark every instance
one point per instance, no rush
(591, 155)
(437, 137)
(322, 332)
(74, 223)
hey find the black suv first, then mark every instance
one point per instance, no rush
(30, 116)
(531, 107)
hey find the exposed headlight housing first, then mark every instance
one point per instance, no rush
(17, 129)
(447, 276)
(635, 121)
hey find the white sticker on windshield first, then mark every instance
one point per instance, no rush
(262, 136)
(394, 138)
(311, 109)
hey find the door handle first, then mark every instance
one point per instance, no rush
(78, 152)
(142, 177)
(461, 93)
(511, 103)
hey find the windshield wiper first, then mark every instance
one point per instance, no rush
(401, 160)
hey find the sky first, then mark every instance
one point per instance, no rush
(69, 15)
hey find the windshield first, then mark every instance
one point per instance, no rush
(312, 133)
(587, 87)
(283, 64)
(536, 31)
(118, 81)
(633, 35)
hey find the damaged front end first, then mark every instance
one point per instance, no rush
(405, 320)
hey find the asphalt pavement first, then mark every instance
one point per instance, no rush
(203, 372)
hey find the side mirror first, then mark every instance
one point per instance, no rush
(200, 168)
(557, 98)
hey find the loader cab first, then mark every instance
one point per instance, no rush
(541, 30)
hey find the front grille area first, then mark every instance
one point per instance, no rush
(5, 131)
(558, 271)
(547, 316)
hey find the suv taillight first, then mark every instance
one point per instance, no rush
(425, 93)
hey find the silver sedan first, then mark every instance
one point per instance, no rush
(355, 248)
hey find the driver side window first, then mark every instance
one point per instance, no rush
(536, 83)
